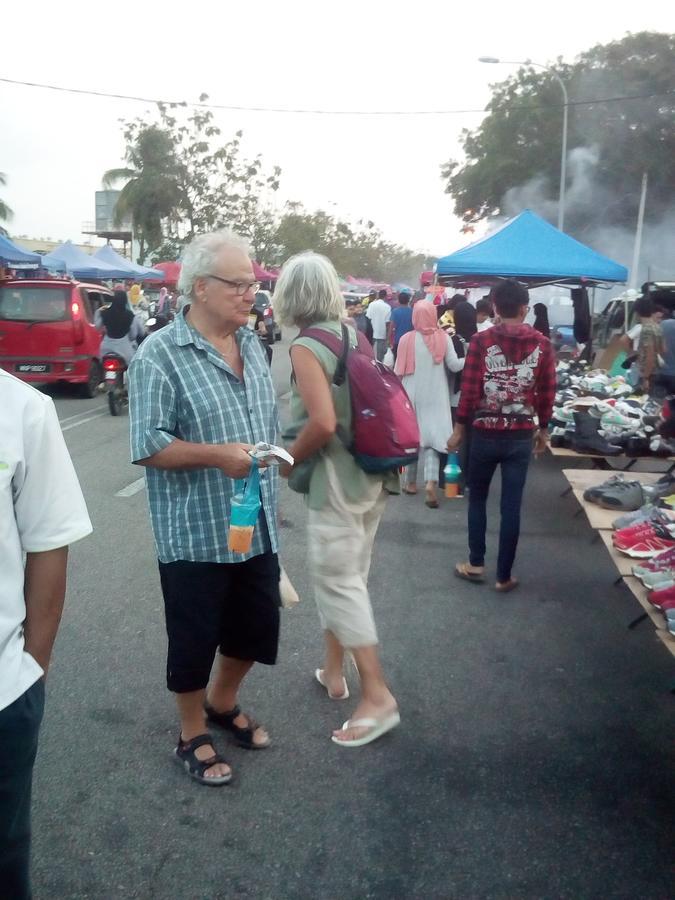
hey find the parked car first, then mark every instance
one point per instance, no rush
(612, 320)
(47, 331)
(263, 303)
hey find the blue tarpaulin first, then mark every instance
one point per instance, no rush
(16, 258)
(530, 249)
(109, 255)
(69, 258)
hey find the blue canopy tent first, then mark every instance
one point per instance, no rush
(109, 255)
(70, 259)
(530, 249)
(15, 258)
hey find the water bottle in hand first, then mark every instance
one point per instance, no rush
(451, 474)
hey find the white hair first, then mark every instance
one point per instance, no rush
(308, 291)
(200, 254)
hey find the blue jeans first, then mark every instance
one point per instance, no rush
(19, 727)
(513, 454)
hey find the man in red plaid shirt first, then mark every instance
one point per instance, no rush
(508, 387)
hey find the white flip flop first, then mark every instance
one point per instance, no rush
(318, 674)
(378, 727)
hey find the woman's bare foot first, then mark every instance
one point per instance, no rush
(366, 710)
(334, 682)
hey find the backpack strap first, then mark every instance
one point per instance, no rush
(340, 347)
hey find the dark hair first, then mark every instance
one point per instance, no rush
(404, 298)
(372, 292)
(382, 295)
(465, 319)
(644, 307)
(508, 296)
(541, 319)
(484, 306)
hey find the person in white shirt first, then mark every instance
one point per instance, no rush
(42, 511)
(379, 313)
(484, 314)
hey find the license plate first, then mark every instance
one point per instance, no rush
(35, 368)
(111, 376)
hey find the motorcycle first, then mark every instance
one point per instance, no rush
(114, 368)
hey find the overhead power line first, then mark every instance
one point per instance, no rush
(324, 112)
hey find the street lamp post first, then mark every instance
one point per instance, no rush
(563, 157)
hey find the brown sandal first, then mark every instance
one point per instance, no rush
(462, 571)
(503, 587)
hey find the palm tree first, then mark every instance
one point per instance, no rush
(151, 192)
(6, 212)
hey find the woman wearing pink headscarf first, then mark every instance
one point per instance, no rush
(423, 357)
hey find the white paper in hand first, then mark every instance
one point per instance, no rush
(271, 454)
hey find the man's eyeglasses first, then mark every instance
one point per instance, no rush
(240, 287)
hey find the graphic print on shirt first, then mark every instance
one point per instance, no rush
(505, 388)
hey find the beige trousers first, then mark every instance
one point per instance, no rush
(341, 537)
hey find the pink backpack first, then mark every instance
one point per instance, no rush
(384, 426)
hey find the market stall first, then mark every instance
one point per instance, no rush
(530, 249)
(13, 257)
(601, 520)
(70, 260)
(109, 255)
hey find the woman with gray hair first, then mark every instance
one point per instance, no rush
(345, 504)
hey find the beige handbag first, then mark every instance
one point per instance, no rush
(289, 596)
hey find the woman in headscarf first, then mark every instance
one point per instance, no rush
(122, 331)
(164, 302)
(423, 356)
(541, 319)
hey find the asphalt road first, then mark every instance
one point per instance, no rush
(535, 758)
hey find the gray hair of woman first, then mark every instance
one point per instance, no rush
(308, 291)
(199, 257)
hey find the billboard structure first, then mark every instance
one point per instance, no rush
(105, 225)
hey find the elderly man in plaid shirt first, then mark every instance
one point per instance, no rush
(201, 395)
(508, 388)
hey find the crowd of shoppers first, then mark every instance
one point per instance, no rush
(201, 399)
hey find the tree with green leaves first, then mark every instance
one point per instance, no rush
(629, 130)
(6, 212)
(151, 192)
(356, 249)
(219, 187)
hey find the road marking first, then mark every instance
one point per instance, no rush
(79, 415)
(132, 488)
(83, 421)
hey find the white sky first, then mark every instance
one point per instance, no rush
(371, 54)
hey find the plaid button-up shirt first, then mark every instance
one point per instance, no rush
(520, 343)
(181, 387)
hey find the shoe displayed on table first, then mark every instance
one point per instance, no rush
(664, 560)
(662, 488)
(657, 581)
(587, 441)
(632, 518)
(637, 445)
(656, 516)
(662, 599)
(591, 494)
(625, 495)
(659, 446)
(647, 544)
(559, 437)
